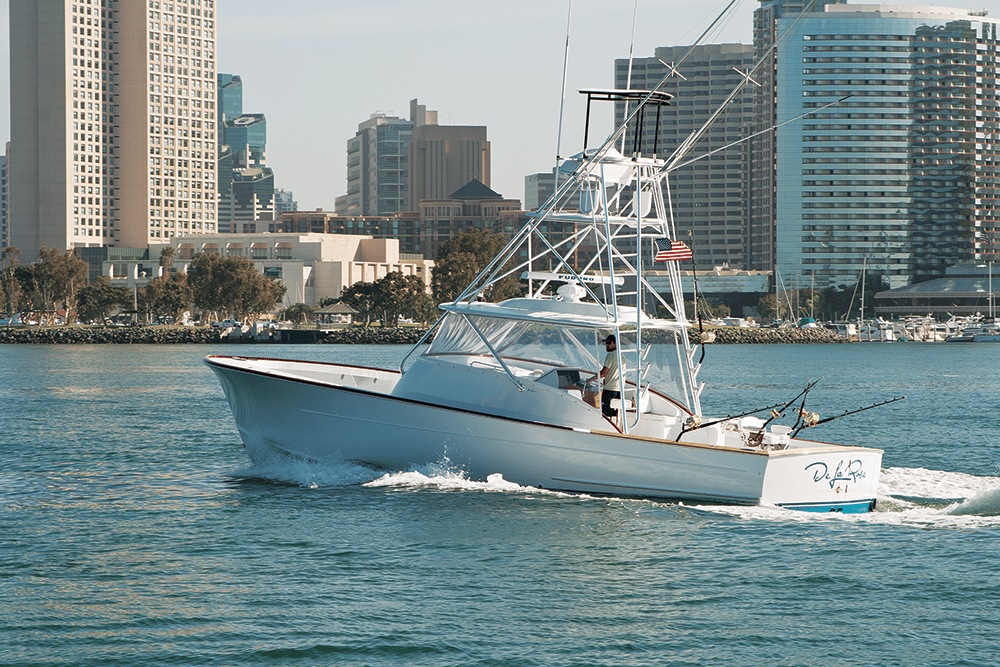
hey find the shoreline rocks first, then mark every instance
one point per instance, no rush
(760, 336)
(67, 335)
(161, 335)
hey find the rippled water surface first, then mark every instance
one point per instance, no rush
(134, 531)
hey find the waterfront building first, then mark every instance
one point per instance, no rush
(899, 177)
(473, 206)
(444, 158)
(4, 200)
(965, 290)
(284, 201)
(250, 201)
(710, 196)
(419, 233)
(378, 163)
(738, 289)
(311, 266)
(403, 227)
(246, 184)
(246, 136)
(113, 122)
(538, 188)
(377, 167)
(763, 190)
(230, 98)
(394, 163)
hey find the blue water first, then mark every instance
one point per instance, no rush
(133, 531)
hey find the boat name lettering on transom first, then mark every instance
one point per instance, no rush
(846, 471)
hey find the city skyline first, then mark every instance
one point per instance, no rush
(381, 56)
(516, 95)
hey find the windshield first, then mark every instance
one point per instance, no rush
(541, 343)
(559, 346)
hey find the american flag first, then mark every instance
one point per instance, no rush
(671, 251)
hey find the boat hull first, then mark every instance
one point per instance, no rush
(302, 411)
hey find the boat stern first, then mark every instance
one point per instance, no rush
(820, 478)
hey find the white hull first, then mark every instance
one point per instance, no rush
(330, 413)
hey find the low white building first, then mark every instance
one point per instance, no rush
(311, 266)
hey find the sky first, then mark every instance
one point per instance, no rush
(318, 68)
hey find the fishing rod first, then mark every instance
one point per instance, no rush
(801, 412)
(758, 437)
(812, 419)
(693, 422)
(777, 413)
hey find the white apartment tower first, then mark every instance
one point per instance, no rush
(113, 122)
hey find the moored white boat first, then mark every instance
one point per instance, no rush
(988, 332)
(503, 387)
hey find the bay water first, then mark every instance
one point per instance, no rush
(134, 531)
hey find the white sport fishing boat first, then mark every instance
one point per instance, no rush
(502, 387)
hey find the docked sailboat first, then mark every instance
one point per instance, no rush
(503, 387)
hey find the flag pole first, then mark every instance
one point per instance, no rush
(697, 310)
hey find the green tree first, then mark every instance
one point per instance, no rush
(10, 287)
(462, 258)
(327, 301)
(232, 285)
(167, 257)
(396, 295)
(30, 301)
(768, 307)
(708, 310)
(95, 301)
(298, 312)
(57, 278)
(361, 298)
(166, 295)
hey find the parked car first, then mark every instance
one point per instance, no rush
(226, 324)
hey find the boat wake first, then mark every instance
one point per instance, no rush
(445, 479)
(913, 496)
(908, 496)
(950, 493)
(441, 475)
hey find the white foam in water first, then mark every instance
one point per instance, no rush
(439, 475)
(908, 496)
(933, 484)
(448, 480)
(442, 475)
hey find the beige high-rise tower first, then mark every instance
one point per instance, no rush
(113, 121)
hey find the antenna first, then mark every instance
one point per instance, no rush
(562, 102)
(628, 81)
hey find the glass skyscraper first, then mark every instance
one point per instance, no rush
(901, 174)
(230, 97)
